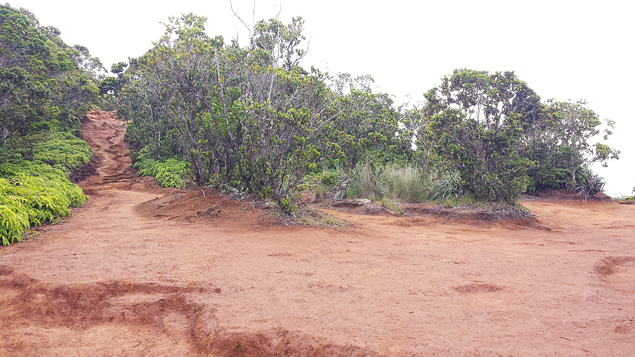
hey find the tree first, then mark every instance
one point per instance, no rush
(476, 120)
(44, 83)
(113, 85)
(367, 127)
(247, 115)
(559, 144)
(22, 101)
(280, 41)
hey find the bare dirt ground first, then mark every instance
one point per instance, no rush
(191, 274)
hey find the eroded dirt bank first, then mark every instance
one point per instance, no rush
(120, 280)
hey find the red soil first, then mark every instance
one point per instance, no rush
(198, 275)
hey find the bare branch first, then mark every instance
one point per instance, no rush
(251, 34)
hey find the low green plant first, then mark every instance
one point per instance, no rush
(169, 173)
(364, 181)
(328, 178)
(32, 194)
(404, 182)
(390, 204)
(589, 183)
(319, 190)
(447, 186)
(64, 151)
(408, 183)
(316, 218)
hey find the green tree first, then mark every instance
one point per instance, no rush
(247, 115)
(112, 85)
(45, 83)
(367, 126)
(22, 103)
(559, 144)
(476, 121)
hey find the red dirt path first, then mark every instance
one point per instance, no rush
(123, 278)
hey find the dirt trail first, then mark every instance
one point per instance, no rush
(130, 274)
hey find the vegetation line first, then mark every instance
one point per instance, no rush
(252, 119)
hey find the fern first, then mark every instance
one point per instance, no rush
(169, 173)
(63, 151)
(32, 194)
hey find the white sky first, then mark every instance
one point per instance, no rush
(562, 49)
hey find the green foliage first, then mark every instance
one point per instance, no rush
(558, 144)
(249, 116)
(169, 173)
(253, 119)
(364, 181)
(475, 123)
(113, 85)
(38, 191)
(328, 178)
(31, 194)
(366, 126)
(589, 183)
(448, 186)
(64, 151)
(407, 183)
(43, 82)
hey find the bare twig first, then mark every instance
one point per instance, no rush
(251, 35)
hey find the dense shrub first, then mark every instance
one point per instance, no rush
(44, 83)
(32, 194)
(558, 144)
(251, 118)
(169, 173)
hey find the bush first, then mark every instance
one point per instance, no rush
(32, 194)
(169, 173)
(328, 178)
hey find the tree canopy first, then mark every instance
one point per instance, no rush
(44, 82)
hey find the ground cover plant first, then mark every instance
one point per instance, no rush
(34, 182)
(171, 172)
(32, 194)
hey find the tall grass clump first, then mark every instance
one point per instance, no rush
(32, 194)
(407, 183)
(364, 181)
(589, 183)
(447, 186)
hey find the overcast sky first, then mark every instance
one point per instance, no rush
(562, 49)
